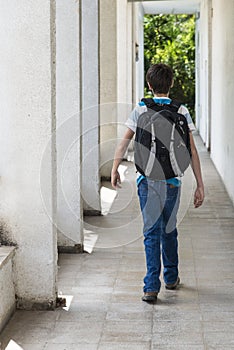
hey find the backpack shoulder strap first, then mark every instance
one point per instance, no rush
(175, 105)
(149, 102)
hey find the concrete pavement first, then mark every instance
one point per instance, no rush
(104, 288)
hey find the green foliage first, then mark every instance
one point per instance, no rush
(170, 39)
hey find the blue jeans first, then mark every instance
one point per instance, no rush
(159, 204)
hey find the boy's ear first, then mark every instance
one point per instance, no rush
(150, 87)
(172, 84)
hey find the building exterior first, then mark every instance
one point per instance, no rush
(70, 72)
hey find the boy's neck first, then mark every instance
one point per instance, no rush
(161, 95)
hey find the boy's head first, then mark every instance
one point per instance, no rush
(160, 78)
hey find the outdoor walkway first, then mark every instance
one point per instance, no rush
(104, 288)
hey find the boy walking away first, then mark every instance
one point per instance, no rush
(159, 181)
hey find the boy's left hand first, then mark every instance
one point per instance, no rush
(198, 197)
(115, 179)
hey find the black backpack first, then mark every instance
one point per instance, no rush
(162, 143)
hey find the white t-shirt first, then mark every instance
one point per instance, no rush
(140, 108)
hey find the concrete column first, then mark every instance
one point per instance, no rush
(27, 111)
(124, 64)
(116, 75)
(205, 48)
(108, 83)
(197, 68)
(222, 124)
(139, 39)
(124, 52)
(70, 228)
(90, 106)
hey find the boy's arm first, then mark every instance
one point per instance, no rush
(119, 154)
(199, 192)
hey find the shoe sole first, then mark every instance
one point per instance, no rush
(173, 286)
(149, 299)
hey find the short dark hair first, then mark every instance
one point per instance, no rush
(160, 78)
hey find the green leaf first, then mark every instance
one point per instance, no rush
(171, 39)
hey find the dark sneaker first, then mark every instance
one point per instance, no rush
(173, 285)
(150, 297)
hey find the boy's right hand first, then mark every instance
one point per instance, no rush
(115, 179)
(199, 196)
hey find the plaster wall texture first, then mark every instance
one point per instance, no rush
(197, 72)
(69, 215)
(124, 64)
(7, 290)
(118, 36)
(124, 52)
(90, 106)
(108, 83)
(222, 141)
(27, 119)
(139, 65)
(204, 74)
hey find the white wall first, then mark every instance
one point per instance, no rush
(90, 106)
(119, 73)
(124, 63)
(108, 83)
(70, 230)
(124, 52)
(222, 125)
(27, 112)
(7, 289)
(139, 65)
(204, 49)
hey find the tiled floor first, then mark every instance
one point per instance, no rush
(106, 311)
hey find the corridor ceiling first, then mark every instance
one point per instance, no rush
(171, 6)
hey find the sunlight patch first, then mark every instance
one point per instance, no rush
(108, 195)
(90, 240)
(13, 346)
(107, 198)
(68, 299)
